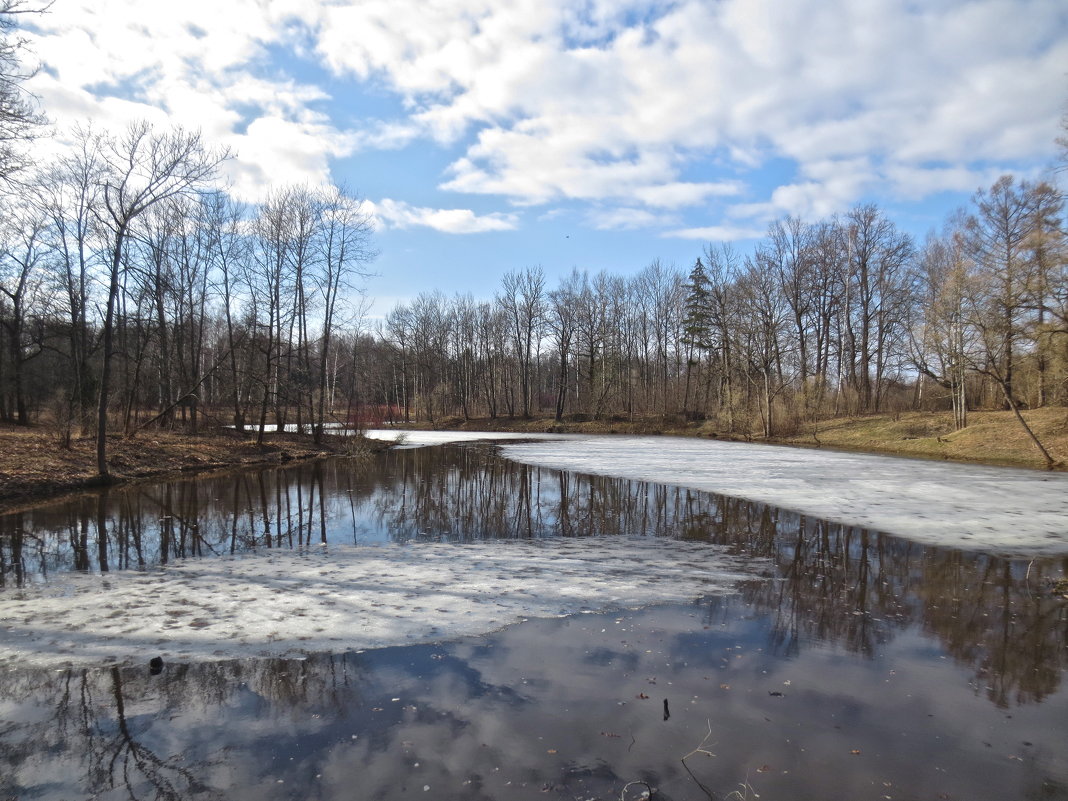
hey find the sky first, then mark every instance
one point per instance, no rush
(487, 137)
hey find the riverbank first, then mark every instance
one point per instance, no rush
(34, 466)
(993, 438)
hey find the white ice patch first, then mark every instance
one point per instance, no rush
(277, 603)
(997, 509)
(405, 438)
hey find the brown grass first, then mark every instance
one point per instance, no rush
(990, 438)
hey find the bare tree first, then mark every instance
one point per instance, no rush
(790, 253)
(69, 195)
(996, 236)
(562, 325)
(23, 283)
(223, 223)
(269, 281)
(940, 341)
(142, 168)
(721, 265)
(20, 119)
(877, 298)
(523, 299)
(345, 250)
(763, 322)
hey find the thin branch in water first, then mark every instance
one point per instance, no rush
(701, 750)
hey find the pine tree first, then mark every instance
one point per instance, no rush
(697, 327)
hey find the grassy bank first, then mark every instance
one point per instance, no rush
(33, 465)
(990, 438)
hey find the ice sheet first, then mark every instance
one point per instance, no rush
(996, 509)
(276, 603)
(1002, 510)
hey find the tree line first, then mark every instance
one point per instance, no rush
(838, 317)
(135, 291)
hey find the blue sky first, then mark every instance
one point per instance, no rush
(487, 136)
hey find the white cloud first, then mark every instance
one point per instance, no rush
(627, 218)
(398, 214)
(664, 105)
(587, 109)
(676, 194)
(199, 64)
(914, 183)
(715, 233)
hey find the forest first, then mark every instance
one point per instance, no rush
(126, 276)
(845, 316)
(136, 292)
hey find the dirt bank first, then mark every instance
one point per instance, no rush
(33, 465)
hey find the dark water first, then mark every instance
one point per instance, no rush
(867, 667)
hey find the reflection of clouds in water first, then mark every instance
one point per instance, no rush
(338, 597)
(552, 704)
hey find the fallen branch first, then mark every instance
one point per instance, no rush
(701, 750)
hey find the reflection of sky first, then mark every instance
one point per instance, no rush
(549, 709)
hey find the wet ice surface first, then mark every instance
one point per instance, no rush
(346, 597)
(995, 509)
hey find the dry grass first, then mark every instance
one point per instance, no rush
(990, 438)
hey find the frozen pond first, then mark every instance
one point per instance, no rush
(444, 623)
(1004, 510)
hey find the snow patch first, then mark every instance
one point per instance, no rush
(281, 603)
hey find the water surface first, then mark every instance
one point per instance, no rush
(863, 667)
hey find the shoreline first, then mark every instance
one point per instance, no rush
(34, 469)
(992, 438)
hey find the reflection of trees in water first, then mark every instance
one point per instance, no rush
(835, 583)
(111, 748)
(1000, 618)
(153, 524)
(111, 729)
(471, 494)
(854, 588)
